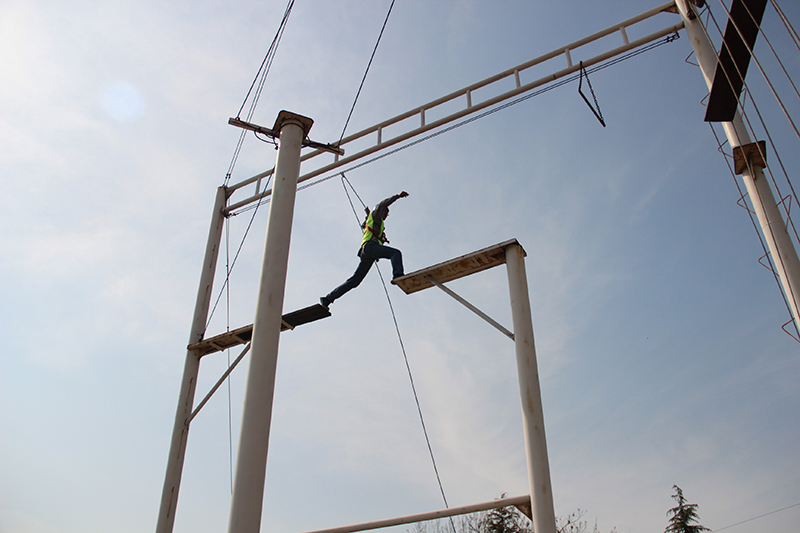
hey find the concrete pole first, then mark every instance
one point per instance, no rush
(180, 431)
(782, 250)
(544, 518)
(248, 488)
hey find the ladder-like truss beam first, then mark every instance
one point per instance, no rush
(467, 97)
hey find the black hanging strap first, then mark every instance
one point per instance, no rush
(595, 108)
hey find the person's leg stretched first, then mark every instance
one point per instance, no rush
(352, 282)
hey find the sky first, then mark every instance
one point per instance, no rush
(659, 336)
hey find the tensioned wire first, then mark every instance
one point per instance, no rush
(258, 84)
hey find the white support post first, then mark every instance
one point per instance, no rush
(248, 489)
(180, 431)
(773, 227)
(544, 519)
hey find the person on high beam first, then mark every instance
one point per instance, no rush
(372, 248)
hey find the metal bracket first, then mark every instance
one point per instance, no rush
(753, 155)
(217, 385)
(275, 132)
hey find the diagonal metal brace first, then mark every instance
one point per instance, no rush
(474, 309)
(217, 385)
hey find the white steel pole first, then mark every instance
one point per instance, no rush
(251, 464)
(784, 255)
(180, 431)
(544, 518)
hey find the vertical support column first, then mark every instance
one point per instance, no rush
(544, 519)
(251, 464)
(782, 250)
(180, 431)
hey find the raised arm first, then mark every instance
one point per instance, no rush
(381, 208)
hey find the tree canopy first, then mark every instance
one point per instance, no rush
(684, 516)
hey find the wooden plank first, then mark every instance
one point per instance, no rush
(455, 268)
(242, 335)
(306, 315)
(734, 58)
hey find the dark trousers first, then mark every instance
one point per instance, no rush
(371, 252)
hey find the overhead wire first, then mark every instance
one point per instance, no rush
(757, 517)
(363, 79)
(787, 24)
(775, 53)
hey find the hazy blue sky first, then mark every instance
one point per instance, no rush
(658, 333)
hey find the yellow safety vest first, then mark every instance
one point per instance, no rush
(369, 232)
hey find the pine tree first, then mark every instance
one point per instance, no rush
(504, 520)
(684, 516)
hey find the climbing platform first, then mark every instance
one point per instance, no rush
(455, 268)
(243, 335)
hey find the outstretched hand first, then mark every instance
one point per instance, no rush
(403, 194)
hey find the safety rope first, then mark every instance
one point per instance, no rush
(375, 49)
(402, 345)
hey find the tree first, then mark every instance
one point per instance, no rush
(574, 523)
(504, 520)
(684, 516)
